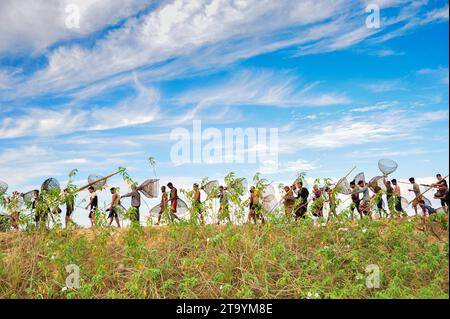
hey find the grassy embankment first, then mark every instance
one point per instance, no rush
(189, 261)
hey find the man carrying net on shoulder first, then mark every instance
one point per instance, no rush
(397, 197)
(418, 196)
(355, 199)
(364, 205)
(255, 207)
(301, 203)
(93, 205)
(442, 191)
(135, 203)
(114, 209)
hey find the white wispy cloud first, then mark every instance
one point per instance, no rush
(262, 88)
(380, 106)
(440, 74)
(182, 29)
(34, 25)
(391, 126)
(141, 109)
(384, 86)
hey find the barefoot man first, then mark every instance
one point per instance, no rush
(418, 196)
(114, 208)
(196, 202)
(93, 205)
(163, 205)
(173, 201)
(255, 206)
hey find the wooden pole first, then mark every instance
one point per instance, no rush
(425, 185)
(98, 181)
(354, 167)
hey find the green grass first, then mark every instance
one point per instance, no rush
(277, 260)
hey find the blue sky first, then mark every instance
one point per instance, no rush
(109, 93)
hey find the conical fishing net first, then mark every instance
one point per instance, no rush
(51, 185)
(360, 177)
(377, 183)
(28, 197)
(269, 200)
(210, 187)
(239, 185)
(182, 209)
(99, 185)
(150, 188)
(426, 200)
(275, 207)
(269, 192)
(404, 202)
(270, 203)
(155, 210)
(3, 188)
(387, 166)
(343, 187)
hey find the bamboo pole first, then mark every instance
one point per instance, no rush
(98, 181)
(348, 174)
(408, 183)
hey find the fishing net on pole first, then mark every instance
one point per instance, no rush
(387, 166)
(155, 210)
(269, 200)
(28, 197)
(51, 185)
(360, 177)
(182, 209)
(343, 187)
(377, 183)
(150, 188)
(3, 188)
(210, 186)
(239, 185)
(404, 202)
(426, 200)
(275, 207)
(98, 185)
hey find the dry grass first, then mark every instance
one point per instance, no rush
(188, 261)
